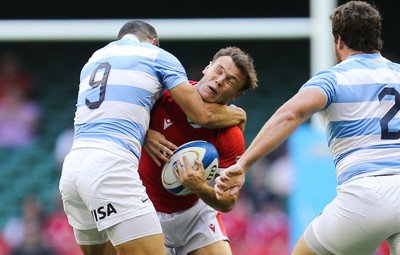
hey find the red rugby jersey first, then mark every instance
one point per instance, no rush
(168, 119)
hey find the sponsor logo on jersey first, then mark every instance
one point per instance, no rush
(103, 212)
(167, 123)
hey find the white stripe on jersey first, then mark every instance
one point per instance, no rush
(114, 50)
(367, 76)
(131, 78)
(116, 110)
(342, 145)
(358, 111)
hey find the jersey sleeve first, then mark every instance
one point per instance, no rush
(325, 81)
(171, 71)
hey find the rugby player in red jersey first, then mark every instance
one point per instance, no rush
(192, 223)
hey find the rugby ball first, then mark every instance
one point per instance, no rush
(199, 149)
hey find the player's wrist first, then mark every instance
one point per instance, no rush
(242, 166)
(237, 114)
(201, 188)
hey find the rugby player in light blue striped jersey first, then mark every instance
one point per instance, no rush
(358, 102)
(103, 197)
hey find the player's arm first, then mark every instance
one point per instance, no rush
(225, 203)
(283, 123)
(195, 181)
(206, 114)
(274, 132)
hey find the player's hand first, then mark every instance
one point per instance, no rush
(241, 112)
(230, 179)
(158, 147)
(192, 177)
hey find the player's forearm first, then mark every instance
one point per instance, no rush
(273, 133)
(210, 115)
(282, 124)
(221, 116)
(224, 205)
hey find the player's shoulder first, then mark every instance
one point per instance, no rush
(165, 56)
(166, 97)
(230, 145)
(231, 137)
(233, 131)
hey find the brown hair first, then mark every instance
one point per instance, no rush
(244, 62)
(358, 23)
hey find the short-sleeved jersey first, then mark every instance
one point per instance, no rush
(118, 88)
(361, 118)
(168, 119)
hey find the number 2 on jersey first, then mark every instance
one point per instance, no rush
(385, 133)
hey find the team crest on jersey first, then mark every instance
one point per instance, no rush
(103, 212)
(194, 125)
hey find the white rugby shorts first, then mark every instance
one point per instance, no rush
(365, 212)
(101, 188)
(191, 229)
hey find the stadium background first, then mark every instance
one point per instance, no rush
(282, 66)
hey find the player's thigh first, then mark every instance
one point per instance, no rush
(218, 248)
(99, 249)
(141, 235)
(301, 248)
(149, 245)
(197, 227)
(304, 248)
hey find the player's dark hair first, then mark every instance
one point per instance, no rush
(142, 30)
(358, 23)
(244, 62)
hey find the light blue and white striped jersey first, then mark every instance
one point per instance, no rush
(118, 87)
(361, 118)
